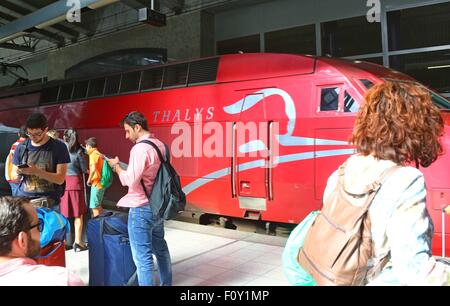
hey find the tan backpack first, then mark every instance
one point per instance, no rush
(339, 243)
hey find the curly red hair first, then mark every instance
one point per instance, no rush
(399, 122)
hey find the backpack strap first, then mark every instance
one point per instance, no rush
(372, 188)
(25, 152)
(163, 161)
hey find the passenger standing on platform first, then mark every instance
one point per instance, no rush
(397, 125)
(146, 230)
(73, 204)
(42, 162)
(19, 242)
(14, 183)
(95, 176)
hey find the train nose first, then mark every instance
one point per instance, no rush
(437, 178)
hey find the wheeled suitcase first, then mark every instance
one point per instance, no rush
(53, 254)
(110, 259)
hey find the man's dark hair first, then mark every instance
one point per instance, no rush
(134, 118)
(13, 219)
(92, 141)
(23, 132)
(36, 121)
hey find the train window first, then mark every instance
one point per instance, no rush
(152, 79)
(130, 81)
(175, 75)
(80, 90)
(368, 84)
(203, 71)
(350, 104)
(329, 99)
(96, 87)
(65, 92)
(112, 85)
(49, 95)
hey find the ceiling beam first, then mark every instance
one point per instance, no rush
(66, 32)
(137, 4)
(16, 47)
(45, 15)
(47, 35)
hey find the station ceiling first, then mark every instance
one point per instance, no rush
(26, 25)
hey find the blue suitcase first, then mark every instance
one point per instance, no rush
(110, 259)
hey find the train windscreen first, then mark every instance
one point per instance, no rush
(440, 101)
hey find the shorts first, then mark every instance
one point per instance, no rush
(96, 197)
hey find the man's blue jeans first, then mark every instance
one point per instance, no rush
(146, 233)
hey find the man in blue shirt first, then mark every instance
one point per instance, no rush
(42, 164)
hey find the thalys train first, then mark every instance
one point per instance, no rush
(251, 135)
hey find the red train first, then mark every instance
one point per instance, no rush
(296, 112)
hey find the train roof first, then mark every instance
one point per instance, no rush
(211, 70)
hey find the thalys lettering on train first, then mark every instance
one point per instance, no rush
(297, 112)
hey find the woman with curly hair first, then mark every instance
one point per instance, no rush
(398, 127)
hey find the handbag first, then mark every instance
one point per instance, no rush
(295, 274)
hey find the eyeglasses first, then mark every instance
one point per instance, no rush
(40, 225)
(35, 134)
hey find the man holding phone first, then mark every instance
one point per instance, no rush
(41, 162)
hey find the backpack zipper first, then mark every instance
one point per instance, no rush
(315, 267)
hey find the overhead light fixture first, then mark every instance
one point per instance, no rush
(152, 17)
(438, 67)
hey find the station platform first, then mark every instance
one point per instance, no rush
(212, 256)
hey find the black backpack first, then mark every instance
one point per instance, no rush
(167, 198)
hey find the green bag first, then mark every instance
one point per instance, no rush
(295, 274)
(107, 175)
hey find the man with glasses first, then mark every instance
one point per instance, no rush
(41, 162)
(19, 242)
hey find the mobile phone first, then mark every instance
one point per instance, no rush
(23, 166)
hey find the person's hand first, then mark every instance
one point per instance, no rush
(89, 183)
(447, 210)
(113, 162)
(31, 170)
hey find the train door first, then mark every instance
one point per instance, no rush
(250, 169)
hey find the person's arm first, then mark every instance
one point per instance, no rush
(91, 173)
(16, 161)
(136, 166)
(409, 233)
(14, 172)
(57, 178)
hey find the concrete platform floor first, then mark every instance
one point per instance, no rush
(212, 256)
